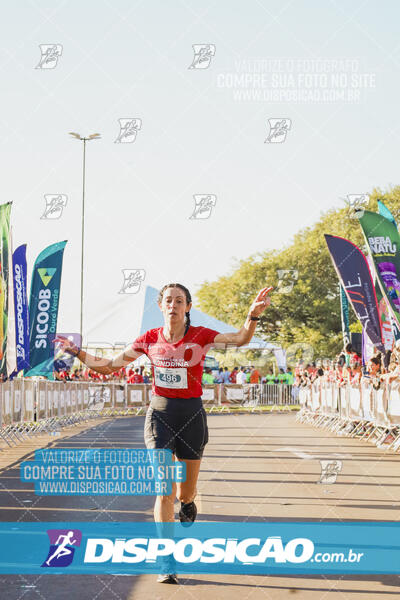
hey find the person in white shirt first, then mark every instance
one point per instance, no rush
(241, 376)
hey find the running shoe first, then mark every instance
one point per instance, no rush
(168, 575)
(188, 513)
(168, 578)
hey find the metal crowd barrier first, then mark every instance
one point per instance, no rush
(354, 410)
(29, 407)
(255, 397)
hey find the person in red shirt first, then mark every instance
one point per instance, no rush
(136, 377)
(254, 375)
(176, 418)
(232, 376)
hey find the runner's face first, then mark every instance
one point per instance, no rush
(174, 305)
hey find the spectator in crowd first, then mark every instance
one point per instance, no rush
(295, 383)
(64, 375)
(305, 378)
(226, 375)
(374, 370)
(254, 375)
(136, 378)
(207, 376)
(233, 375)
(220, 376)
(241, 376)
(393, 370)
(146, 378)
(386, 359)
(350, 357)
(289, 377)
(348, 354)
(318, 374)
(355, 372)
(281, 376)
(380, 375)
(270, 378)
(339, 374)
(311, 369)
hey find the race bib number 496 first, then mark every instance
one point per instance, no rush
(170, 378)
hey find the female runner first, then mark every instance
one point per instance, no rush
(176, 419)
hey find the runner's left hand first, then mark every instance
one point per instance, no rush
(261, 302)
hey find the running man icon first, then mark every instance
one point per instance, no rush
(61, 550)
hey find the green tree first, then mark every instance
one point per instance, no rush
(310, 313)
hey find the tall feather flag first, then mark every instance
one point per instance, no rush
(5, 212)
(11, 354)
(43, 309)
(21, 308)
(355, 276)
(383, 241)
(385, 212)
(344, 311)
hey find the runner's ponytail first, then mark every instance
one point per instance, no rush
(187, 321)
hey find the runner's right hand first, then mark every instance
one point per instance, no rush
(66, 345)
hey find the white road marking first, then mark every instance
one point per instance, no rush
(306, 456)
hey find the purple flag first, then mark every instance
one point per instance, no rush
(355, 276)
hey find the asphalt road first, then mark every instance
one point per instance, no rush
(255, 468)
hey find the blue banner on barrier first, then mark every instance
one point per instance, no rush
(241, 548)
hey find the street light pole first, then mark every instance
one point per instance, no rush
(93, 136)
(83, 233)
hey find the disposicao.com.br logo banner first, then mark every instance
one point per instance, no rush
(241, 548)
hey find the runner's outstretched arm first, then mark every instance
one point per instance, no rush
(244, 335)
(105, 366)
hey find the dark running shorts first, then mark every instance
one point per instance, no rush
(177, 424)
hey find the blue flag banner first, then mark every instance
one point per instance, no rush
(355, 276)
(43, 309)
(385, 212)
(312, 548)
(21, 307)
(344, 310)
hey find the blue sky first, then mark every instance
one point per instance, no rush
(198, 136)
